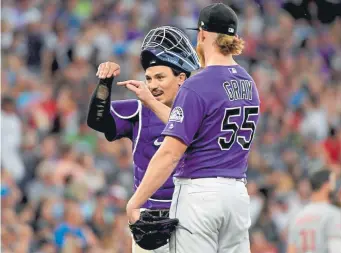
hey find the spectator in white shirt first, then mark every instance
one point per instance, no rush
(11, 138)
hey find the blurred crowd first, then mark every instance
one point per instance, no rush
(64, 187)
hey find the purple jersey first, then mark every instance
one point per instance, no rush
(215, 113)
(141, 125)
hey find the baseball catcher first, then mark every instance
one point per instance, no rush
(168, 59)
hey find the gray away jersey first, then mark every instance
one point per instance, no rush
(313, 226)
(215, 114)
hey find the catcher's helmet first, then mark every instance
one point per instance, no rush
(169, 46)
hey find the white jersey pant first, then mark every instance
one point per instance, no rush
(214, 215)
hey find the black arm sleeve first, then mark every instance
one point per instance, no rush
(99, 117)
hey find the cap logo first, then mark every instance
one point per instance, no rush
(202, 23)
(231, 30)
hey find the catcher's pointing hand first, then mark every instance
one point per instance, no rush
(140, 89)
(107, 70)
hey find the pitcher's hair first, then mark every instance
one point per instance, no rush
(229, 44)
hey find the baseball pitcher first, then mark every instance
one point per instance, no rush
(211, 127)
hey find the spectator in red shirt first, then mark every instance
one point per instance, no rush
(332, 146)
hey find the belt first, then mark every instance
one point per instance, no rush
(232, 178)
(243, 180)
(158, 213)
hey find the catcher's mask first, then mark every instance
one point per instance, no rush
(169, 46)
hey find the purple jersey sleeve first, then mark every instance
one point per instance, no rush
(186, 116)
(125, 113)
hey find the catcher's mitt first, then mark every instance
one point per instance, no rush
(151, 232)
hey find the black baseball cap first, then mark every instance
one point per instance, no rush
(218, 18)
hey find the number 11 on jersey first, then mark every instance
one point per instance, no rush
(307, 240)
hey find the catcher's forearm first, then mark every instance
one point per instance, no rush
(99, 117)
(161, 110)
